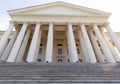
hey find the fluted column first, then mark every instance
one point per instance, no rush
(5, 37)
(99, 54)
(4, 47)
(49, 47)
(9, 46)
(71, 44)
(103, 44)
(113, 36)
(33, 46)
(83, 46)
(17, 44)
(21, 52)
(88, 44)
(38, 45)
(111, 47)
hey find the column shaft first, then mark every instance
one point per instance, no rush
(33, 46)
(17, 44)
(88, 44)
(111, 47)
(21, 52)
(9, 46)
(38, 45)
(5, 37)
(103, 44)
(99, 54)
(49, 47)
(83, 47)
(4, 47)
(114, 37)
(71, 44)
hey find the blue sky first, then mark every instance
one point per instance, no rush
(111, 6)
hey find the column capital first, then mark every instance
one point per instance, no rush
(38, 23)
(25, 22)
(12, 23)
(106, 25)
(94, 24)
(82, 24)
(50, 26)
(50, 23)
(69, 23)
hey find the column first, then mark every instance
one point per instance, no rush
(99, 54)
(49, 47)
(17, 44)
(38, 45)
(33, 45)
(88, 44)
(9, 46)
(83, 47)
(111, 47)
(4, 47)
(71, 44)
(103, 44)
(21, 52)
(5, 37)
(113, 37)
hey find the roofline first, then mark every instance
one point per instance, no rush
(33, 6)
(60, 3)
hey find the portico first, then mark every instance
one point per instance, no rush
(43, 35)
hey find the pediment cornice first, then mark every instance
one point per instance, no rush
(58, 9)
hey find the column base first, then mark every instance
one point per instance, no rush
(46, 61)
(1, 61)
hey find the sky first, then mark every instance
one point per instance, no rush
(111, 6)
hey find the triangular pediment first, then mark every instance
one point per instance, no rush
(58, 8)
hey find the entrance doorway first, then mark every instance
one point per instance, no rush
(59, 60)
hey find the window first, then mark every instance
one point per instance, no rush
(59, 60)
(40, 50)
(59, 51)
(59, 44)
(80, 60)
(102, 51)
(39, 60)
(93, 32)
(67, 51)
(68, 60)
(41, 44)
(78, 51)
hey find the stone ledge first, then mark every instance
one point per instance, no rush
(61, 81)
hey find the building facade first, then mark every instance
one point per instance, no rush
(59, 32)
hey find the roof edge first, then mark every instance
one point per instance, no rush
(59, 2)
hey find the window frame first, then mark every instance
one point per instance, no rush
(59, 51)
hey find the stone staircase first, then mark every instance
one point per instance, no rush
(82, 73)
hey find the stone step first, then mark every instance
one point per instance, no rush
(59, 71)
(59, 81)
(63, 77)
